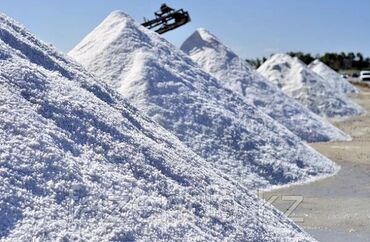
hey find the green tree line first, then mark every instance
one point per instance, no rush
(337, 61)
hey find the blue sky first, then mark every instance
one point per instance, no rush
(252, 28)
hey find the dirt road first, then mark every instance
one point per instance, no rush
(337, 208)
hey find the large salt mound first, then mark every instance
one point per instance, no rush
(336, 81)
(167, 85)
(236, 74)
(78, 163)
(298, 81)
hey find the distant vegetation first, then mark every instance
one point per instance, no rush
(337, 61)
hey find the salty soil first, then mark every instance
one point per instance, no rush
(337, 208)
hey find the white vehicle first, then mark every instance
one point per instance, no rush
(365, 76)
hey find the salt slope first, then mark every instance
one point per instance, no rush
(336, 81)
(77, 162)
(298, 81)
(167, 85)
(236, 74)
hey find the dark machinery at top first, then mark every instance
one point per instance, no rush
(167, 19)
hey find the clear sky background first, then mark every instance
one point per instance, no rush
(252, 28)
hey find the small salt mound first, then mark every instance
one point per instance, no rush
(298, 81)
(78, 163)
(216, 123)
(336, 81)
(236, 74)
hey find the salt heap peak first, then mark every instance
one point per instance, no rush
(236, 74)
(216, 123)
(77, 162)
(298, 81)
(336, 81)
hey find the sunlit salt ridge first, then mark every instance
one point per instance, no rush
(236, 74)
(77, 162)
(312, 90)
(162, 81)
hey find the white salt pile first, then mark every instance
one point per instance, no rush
(78, 163)
(216, 123)
(236, 74)
(336, 81)
(298, 81)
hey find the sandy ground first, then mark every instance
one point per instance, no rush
(337, 208)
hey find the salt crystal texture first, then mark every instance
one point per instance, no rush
(78, 163)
